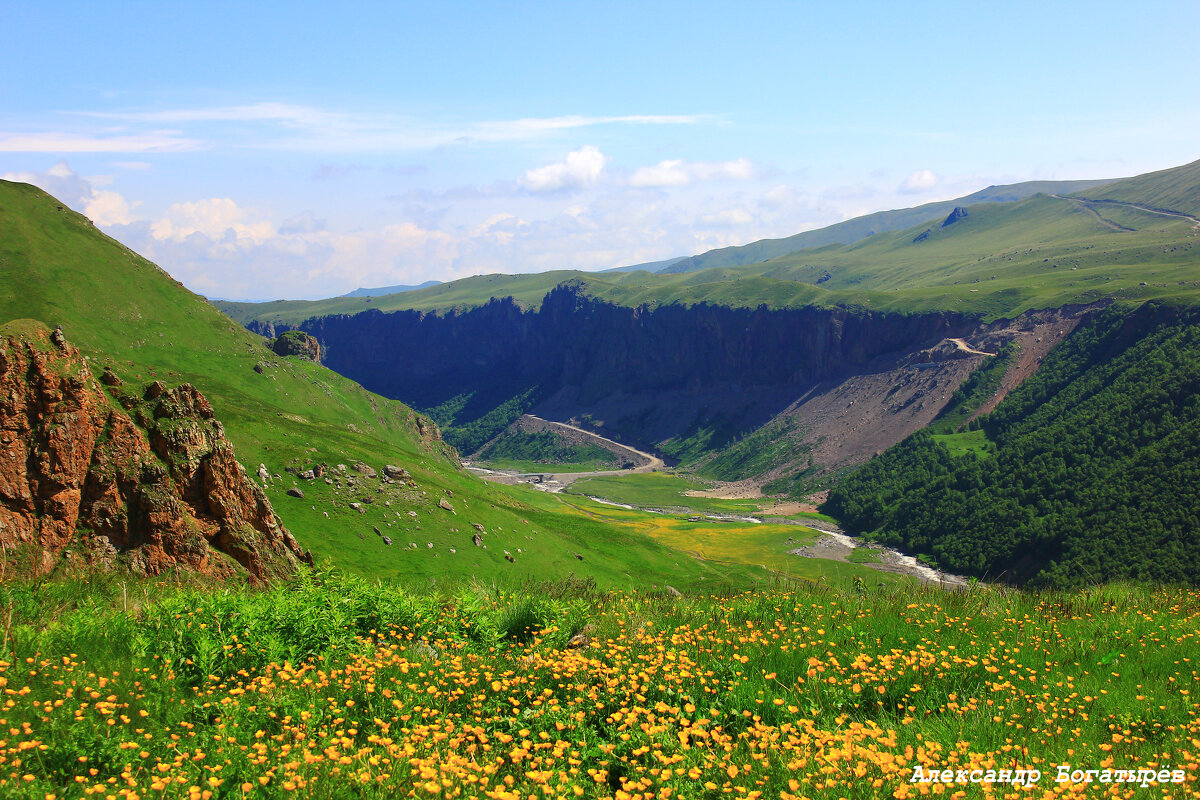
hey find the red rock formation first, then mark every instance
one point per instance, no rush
(151, 483)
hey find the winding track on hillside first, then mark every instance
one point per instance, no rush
(1160, 211)
(653, 462)
(557, 481)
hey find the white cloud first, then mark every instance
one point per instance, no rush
(728, 218)
(308, 128)
(920, 181)
(215, 218)
(109, 208)
(58, 142)
(302, 223)
(580, 168)
(778, 196)
(677, 172)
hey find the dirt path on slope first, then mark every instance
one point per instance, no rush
(962, 345)
(1083, 201)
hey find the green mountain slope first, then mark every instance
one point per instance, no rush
(853, 230)
(1001, 259)
(126, 313)
(1169, 189)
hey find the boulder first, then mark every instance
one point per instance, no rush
(297, 343)
(109, 378)
(295, 492)
(443, 503)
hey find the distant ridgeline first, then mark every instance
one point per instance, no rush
(1094, 475)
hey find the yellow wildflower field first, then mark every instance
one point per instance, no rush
(571, 692)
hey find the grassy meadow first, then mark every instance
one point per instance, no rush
(336, 687)
(661, 490)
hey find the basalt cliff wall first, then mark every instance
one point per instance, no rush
(96, 475)
(645, 373)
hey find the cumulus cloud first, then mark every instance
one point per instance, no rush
(920, 181)
(102, 207)
(580, 168)
(222, 250)
(677, 172)
(215, 218)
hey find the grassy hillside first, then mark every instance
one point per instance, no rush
(1171, 189)
(853, 230)
(1002, 259)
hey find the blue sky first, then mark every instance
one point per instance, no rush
(268, 150)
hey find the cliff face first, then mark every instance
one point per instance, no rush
(93, 475)
(667, 366)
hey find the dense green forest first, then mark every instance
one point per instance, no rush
(471, 436)
(1091, 473)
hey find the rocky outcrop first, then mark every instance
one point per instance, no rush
(959, 213)
(93, 476)
(297, 343)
